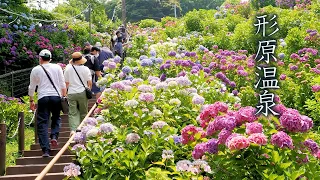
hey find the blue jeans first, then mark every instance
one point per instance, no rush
(47, 105)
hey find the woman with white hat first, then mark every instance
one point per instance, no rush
(77, 77)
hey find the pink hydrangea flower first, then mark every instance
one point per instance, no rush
(223, 136)
(238, 142)
(253, 127)
(211, 111)
(246, 114)
(188, 133)
(147, 97)
(258, 138)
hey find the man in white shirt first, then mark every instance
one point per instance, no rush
(49, 99)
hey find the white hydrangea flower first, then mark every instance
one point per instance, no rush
(175, 102)
(156, 113)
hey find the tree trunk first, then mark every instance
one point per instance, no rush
(124, 13)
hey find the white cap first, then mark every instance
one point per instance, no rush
(45, 53)
(98, 44)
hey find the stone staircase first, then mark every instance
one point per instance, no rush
(30, 165)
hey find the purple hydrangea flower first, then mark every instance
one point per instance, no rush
(282, 140)
(212, 146)
(311, 145)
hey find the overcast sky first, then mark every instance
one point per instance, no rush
(50, 6)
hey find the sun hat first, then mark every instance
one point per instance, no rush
(77, 59)
(98, 44)
(45, 53)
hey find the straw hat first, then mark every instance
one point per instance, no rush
(77, 59)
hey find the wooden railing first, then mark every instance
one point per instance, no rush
(64, 148)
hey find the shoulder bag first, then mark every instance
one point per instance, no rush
(64, 100)
(88, 91)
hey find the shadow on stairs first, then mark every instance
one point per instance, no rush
(30, 165)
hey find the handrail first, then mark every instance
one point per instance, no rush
(64, 148)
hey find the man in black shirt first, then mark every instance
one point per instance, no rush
(93, 64)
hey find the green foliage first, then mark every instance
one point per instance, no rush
(257, 4)
(10, 107)
(244, 37)
(193, 22)
(295, 40)
(149, 23)
(12, 147)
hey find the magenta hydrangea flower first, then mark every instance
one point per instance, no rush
(258, 138)
(238, 142)
(246, 114)
(188, 133)
(316, 88)
(293, 67)
(283, 77)
(280, 108)
(221, 122)
(282, 140)
(230, 137)
(199, 150)
(291, 120)
(254, 127)
(294, 122)
(307, 123)
(223, 136)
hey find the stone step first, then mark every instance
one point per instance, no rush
(49, 176)
(41, 160)
(34, 169)
(37, 146)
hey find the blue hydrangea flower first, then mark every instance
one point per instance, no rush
(146, 62)
(143, 57)
(153, 53)
(126, 70)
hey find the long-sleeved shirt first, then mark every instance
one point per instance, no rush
(105, 54)
(39, 78)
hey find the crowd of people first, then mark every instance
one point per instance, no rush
(52, 84)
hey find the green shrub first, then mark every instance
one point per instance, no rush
(193, 22)
(149, 23)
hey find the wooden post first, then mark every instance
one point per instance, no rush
(21, 132)
(90, 24)
(36, 127)
(3, 136)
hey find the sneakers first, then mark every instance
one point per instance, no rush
(46, 154)
(54, 143)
